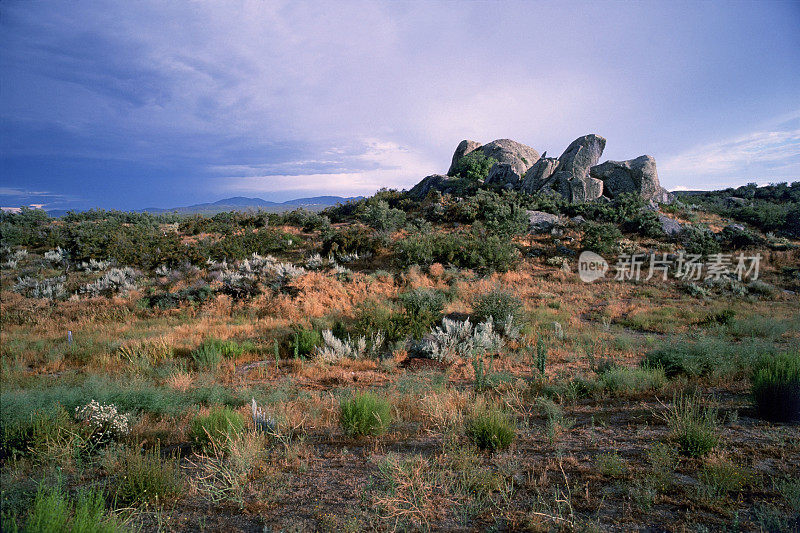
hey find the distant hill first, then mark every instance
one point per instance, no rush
(242, 203)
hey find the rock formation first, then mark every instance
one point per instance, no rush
(635, 175)
(575, 175)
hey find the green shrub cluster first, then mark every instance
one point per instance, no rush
(501, 306)
(693, 424)
(364, 414)
(219, 425)
(143, 476)
(484, 252)
(213, 351)
(776, 387)
(53, 511)
(490, 429)
(473, 167)
(601, 238)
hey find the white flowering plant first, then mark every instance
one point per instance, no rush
(105, 422)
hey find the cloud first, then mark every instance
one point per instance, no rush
(380, 163)
(766, 155)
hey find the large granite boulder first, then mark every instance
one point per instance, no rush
(633, 176)
(435, 182)
(463, 148)
(541, 222)
(577, 189)
(502, 175)
(670, 226)
(518, 155)
(539, 175)
(571, 178)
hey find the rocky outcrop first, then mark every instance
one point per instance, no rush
(541, 222)
(503, 175)
(518, 155)
(576, 174)
(571, 176)
(463, 148)
(539, 175)
(633, 176)
(670, 226)
(435, 182)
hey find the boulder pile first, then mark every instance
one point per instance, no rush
(575, 175)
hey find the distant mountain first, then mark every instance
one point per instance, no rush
(242, 203)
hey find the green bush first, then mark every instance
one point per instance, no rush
(53, 511)
(143, 476)
(380, 216)
(601, 238)
(306, 340)
(698, 240)
(706, 356)
(364, 414)
(776, 387)
(476, 249)
(473, 167)
(212, 351)
(490, 429)
(423, 301)
(693, 425)
(219, 425)
(22, 435)
(621, 380)
(500, 306)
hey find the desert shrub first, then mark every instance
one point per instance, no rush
(601, 238)
(776, 387)
(490, 429)
(30, 433)
(423, 301)
(621, 380)
(143, 476)
(219, 424)
(373, 318)
(459, 339)
(212, 351)
(720, 478)
(306, 340)
(499, 214)
(699, 240)
(501, 306)
(105, 422)
(473, 167)
(706, 357)
(50, 288)
(353, 239)
(739, 237)
(476, 250)
(53, 511)
(334, 349)
(693, 425)
(115, 281)
(364, 414)
(169, 300)
(380, 216)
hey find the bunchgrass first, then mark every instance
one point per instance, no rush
(53, 511)
(490, 429)
(144, 476)
(364, 414)
(219, 425)
(625, 380)
(776, 387)
(693, 425)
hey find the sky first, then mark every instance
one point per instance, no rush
(128, 105)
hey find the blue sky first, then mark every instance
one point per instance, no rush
(137, 104)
